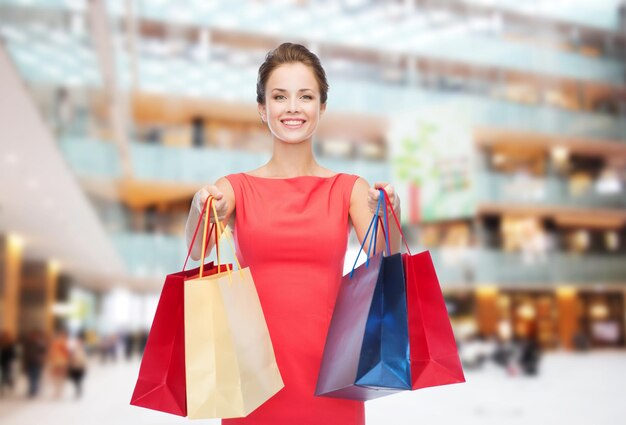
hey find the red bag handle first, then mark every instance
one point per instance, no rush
(397, 222)
(195, 233)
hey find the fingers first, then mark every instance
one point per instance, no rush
(374, 193)
(201, 196)
(213, 191)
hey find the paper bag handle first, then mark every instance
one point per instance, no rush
(220, 229)
(195, 234)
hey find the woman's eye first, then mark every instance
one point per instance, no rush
(279, 97)
(307, 97)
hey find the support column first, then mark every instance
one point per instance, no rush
(52, 279)
(568, 324)
(11, 250)
(487, 314)
(38, 295)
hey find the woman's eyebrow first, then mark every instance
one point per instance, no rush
(284, 90)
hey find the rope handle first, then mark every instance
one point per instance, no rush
(195, 234)
(372, 239)
(221, 230)
(397, 223)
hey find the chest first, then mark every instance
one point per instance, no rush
(295, 227)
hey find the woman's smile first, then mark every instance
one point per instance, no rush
(293, 123)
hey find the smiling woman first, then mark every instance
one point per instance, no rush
(293, 109)
(291, 219)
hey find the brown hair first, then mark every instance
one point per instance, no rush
(290, 53)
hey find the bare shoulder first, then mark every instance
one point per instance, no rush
(223, 184)
(359, 191)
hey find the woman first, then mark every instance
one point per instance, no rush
(59, 360)
(7, 356)
(291, 219)
(35, 348)
(77, 363)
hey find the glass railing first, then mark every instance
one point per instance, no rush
(90, 158)
(494, 187)
(43, 54)
(384, 99)
(485, 266)
(600, 14)
(193, 165)
(153, 255)
(48, 64)
(371, 29)
(475, 110)
(456, 41)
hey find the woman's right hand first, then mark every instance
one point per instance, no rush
(221, 204)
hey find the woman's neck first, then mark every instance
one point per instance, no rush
(292, 159)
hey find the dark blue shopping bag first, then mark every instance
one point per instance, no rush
(366, 355)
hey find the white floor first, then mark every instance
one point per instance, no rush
(571, 389)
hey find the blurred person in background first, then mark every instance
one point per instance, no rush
(109, 347)
(129, 340)
(530, 353)
(58, 358)
(7, 356)
(580, 340)
(77, 365)
(476, 351)
(293, 204)
(35, 347)
(143, 340)
(63, 112)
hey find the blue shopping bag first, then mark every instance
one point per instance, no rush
(366, 355)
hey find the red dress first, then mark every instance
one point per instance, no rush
(293, 235)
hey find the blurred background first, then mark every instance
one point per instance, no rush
(501, 123)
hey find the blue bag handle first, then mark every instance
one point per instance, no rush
(385, 233)
(373, 237)
(387, 244)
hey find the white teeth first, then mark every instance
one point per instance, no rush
(293, 122)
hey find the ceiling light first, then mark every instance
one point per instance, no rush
(15, 242)
(54, 266)
(560, 154)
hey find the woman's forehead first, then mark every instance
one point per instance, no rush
(292, 76)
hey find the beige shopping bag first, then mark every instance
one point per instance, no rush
(230, 365)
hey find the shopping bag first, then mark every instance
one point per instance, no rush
(231, 367)
(434, 353)
(366, 354)
(161, 381)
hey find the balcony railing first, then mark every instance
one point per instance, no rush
(191, 165)
(485, 266)
(157, 255)
(91, 158)
(493, 187)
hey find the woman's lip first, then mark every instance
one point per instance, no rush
(300, 123)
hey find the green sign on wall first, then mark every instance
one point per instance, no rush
(433, 162)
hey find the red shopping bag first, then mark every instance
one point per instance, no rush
(433, 351)
(161, 381)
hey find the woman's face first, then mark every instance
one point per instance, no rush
(292, 103)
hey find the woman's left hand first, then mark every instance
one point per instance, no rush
(373, 194)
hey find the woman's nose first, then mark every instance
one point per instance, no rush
(293, 105)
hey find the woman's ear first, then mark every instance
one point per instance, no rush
(262, 112)
(322, 108)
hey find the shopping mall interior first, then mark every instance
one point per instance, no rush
(502, 124)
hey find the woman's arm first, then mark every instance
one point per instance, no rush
(224, 196)
(362, 206)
